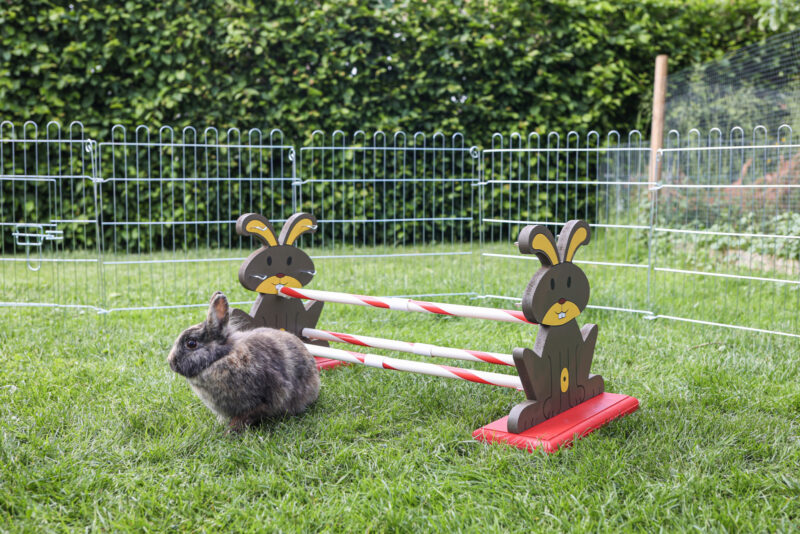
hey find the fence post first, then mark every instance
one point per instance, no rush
(477, 224)
(654, 174)
(97, 188)
(295, 181)
(657, 128)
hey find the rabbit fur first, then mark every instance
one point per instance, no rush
(245, 376)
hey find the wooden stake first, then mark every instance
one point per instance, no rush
(657, 131)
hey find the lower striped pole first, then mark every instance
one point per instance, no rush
(422, 349)
(431, 369)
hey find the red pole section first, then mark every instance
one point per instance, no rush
(409, 305)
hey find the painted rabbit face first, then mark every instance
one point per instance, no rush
(559, 291)
(278, 261)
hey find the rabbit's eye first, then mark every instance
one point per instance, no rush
(289, 260)
(269, 260)
(552, 283)
(569, 281)
(191, 344)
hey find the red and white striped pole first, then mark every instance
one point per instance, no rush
(409, 305)
(423, 349)
(431, 369)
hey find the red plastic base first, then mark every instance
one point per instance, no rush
(324, 364)
(560, 430)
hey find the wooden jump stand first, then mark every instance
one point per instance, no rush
(563, 399)
(279, 263)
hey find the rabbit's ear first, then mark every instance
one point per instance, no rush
(218, 309)
(538, 240)
(295, 226)
(257, 226)
(574, 234)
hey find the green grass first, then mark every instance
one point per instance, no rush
(96, 433)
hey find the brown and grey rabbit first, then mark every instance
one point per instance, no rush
(245, 376)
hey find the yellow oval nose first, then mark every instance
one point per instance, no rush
(564, 380)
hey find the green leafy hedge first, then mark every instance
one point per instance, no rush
(450, 65)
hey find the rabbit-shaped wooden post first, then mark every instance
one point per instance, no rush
(278, 261)
(555, 373)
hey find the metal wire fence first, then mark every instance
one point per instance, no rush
(401, 198)
(48, 216)
(753, 85)
(169, 203)
(550, 180)
(726, 230)
(146, 219)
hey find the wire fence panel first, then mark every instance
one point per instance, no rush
(750, 86)
(550, 180)
(147, 218)
(401, 198)
(48, 232)
(726, 247)
(169, 203)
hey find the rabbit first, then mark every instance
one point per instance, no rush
(555, 373)
(277, 262)
(245, 376)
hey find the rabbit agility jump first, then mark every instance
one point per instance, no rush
(554, 374)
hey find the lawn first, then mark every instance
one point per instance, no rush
(96, 432)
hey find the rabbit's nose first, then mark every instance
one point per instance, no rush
(562, 301)
(280, 275)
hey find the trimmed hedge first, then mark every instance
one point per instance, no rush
(450, 65)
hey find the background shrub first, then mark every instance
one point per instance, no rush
(450, 65)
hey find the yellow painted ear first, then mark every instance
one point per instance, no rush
(574, 234)
(578, 238)
(538, 240)
(295, 226)
(300, 227)
(258, 228)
